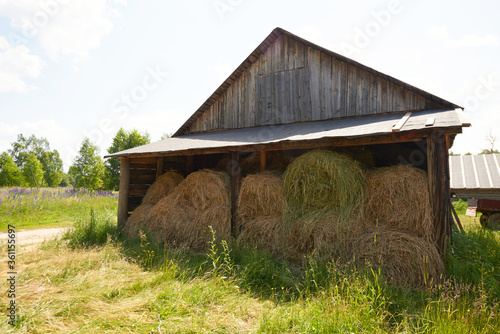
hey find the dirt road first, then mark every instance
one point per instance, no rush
(27, 237)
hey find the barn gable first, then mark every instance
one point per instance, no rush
(288, 79)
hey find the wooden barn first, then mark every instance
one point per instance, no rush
(290, 96)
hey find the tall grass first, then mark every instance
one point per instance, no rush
(144, 286)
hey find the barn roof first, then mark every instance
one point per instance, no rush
(475, 171)
(261, 49)
(246, 139)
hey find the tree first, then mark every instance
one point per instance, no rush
(52, 166)
(123, 140)
(24, 146)
(33, 168)
(65, 180)
(40, 147)
(88, 168)
(10, 174)
(491, 139)
(165, 136)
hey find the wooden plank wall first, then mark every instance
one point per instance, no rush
(293, 83)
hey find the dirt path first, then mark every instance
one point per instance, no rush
(37, 236)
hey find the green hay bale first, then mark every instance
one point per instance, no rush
(324, 181)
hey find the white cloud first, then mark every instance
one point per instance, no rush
(63, 28)
(17, 65)
(466, 41)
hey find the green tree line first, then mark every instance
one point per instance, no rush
(30, 162)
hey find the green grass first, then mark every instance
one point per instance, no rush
(92, 281)
(30, 208)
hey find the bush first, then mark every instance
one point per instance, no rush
(460, 206)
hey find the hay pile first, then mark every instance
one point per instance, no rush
(405, 260)
(275, 160)
(184, 216)
(397, 198)
(259, 211)
(162, 187)
(140, 217)
(363, 156)
(324, 193)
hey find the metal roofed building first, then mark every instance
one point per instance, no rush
(290, 95)
(475, 176)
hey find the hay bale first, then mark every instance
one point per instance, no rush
(263, 233)
(361, 155)
(139, 219)
(397, 198)
(325, 235)
(162, 187)
(261, 195)
(405, 260)
(275, 161)
(200, 201)
(322, 180)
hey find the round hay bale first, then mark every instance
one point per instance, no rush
(405, 260)
(139, 219)
(263, 233)
(261, 195)
(323, 180)
(201, 200)
(325, 235)
(397, 198)
(363, 156)
(204, 189)
(162, 187)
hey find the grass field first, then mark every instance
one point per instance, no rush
(91, 281)
(30, 208)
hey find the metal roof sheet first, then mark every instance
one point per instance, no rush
(475, 171)
(347, 127)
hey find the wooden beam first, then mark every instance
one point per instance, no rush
(401, 122)
(235, 188)
(124, 192)
(262, 161)
(159, 167)
(458, 223)
(190, 164)
(439, 188)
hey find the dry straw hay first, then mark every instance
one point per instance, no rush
(363, 156)
(201, 200)
(322, 180)
(139, 219)
(275, 160)
(325, 235)
(263, 233)
(162, 187)
(261, 195)
(405, 260)
(397, 198)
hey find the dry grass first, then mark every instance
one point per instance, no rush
(405, 260)
(200, 201)
(98, 291)
(397, 198)
(139, 219)
(363, 156)
(162, 187)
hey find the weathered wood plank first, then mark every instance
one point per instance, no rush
(235, 188)
(124, 192)
(315, 86)
(326, 87)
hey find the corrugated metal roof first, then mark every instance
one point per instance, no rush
(347, 127)
(261, 49)
(475, 171)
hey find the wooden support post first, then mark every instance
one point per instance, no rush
(190, 164)
(262, 161)
(235, 188)
(159, 167)
(439, 188)
(459, 224)
(123, 193)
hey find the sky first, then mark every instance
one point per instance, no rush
(71, 69)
